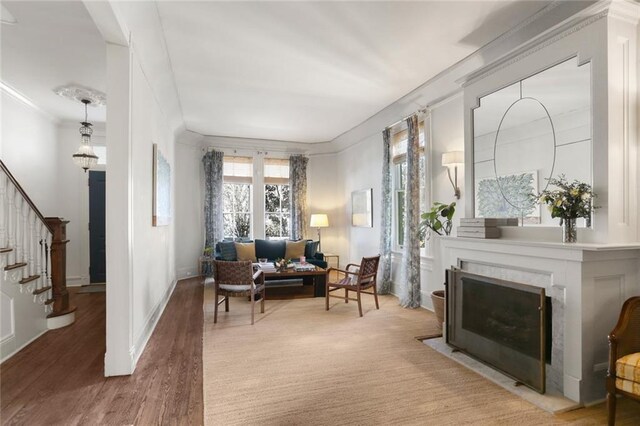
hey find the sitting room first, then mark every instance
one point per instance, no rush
(323, 212)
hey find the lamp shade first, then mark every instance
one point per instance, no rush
(319, 221)
(453, 158)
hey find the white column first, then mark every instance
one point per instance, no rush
(119, 359)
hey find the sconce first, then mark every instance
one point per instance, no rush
(453, 159)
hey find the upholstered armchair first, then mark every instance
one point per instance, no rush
(238, 279)
(623, 377)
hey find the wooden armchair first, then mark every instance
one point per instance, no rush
(359, 281)
(623, 376)
(237, 279)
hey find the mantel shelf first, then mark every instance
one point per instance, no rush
(547, 244)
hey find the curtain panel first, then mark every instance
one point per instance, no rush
(213, 177)
(410, 269)
(386, 206)
(298, 188)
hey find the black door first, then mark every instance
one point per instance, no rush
(98, 264)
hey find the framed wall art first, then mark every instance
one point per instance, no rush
(361, 212)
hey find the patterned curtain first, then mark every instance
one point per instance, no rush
(410, 268)
(298, 185)
(384, 286)
(213, 224)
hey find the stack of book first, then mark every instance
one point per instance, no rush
(484, 227)
(266, 267)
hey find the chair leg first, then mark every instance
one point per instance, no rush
(262, 300)
(346, 295)
(359, 303)
(326, 297)
(226, 303)
(215, 310)
(375, 296)
(253, 306)
(611, 409)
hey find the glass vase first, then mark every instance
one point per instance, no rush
(569, 231)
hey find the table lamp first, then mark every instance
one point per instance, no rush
(319, 221)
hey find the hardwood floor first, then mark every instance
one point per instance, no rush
(58, 379)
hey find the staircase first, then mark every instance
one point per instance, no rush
(33, 295)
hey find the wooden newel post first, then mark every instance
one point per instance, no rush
(58, 272)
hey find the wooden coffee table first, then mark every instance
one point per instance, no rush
(317, 278)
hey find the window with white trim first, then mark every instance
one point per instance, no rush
(277, 201)
(399, 171)
(238, 197)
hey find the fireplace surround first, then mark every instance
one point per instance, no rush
(586, 284)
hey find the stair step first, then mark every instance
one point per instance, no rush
(15, 266)
(65, 312)
(48, 301)
(41, 290)
(29, 279)
(5, 250)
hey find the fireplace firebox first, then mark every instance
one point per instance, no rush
(504, 324)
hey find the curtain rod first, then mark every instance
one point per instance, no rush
(423, 110)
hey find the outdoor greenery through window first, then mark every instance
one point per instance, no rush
(237, 199)
(399, 158)
(276, 198)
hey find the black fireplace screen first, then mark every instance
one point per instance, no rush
(503, 324)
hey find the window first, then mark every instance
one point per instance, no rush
(237, 197)
(276, 198)
(399, 170)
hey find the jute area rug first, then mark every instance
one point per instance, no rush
(302, 365)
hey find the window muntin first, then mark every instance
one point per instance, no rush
(277, 198)
(399, 174)
(237, 197)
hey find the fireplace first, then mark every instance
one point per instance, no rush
(504, 324)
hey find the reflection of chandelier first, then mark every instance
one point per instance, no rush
(85, 157)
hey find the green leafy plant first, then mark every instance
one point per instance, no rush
(208, 251)
(570, 200)
(439, 219)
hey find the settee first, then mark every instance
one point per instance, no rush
(271, 250)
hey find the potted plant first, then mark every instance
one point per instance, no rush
(439, 220)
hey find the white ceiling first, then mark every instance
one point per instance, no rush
(53, 44)
(290, 71)
(309, 71)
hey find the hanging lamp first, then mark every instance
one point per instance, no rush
(85, 157)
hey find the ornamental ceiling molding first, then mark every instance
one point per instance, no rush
(77, 93)
(528, 49)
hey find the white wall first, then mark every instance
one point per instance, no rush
(140, 257)
(29, 148)
(189, 220)
(74, 198)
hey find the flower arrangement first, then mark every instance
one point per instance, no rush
(439, 219)
(570, 201)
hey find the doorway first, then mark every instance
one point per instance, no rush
(97, 234)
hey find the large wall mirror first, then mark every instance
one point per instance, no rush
(528, 132)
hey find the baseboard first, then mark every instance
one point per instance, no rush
(76, 281)
(24, 345)
(150, 324)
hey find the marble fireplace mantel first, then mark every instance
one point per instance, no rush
(589, 282)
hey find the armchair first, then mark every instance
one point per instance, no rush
(359, 281)
(623, 376)
(237, 279)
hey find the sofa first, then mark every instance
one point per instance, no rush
(270, 249)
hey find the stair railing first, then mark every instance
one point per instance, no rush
(25, 240)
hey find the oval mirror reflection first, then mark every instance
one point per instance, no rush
(525, 132)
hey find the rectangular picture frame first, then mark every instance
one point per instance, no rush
(361, 211)
(161, 188)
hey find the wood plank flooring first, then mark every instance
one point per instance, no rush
(58, 379)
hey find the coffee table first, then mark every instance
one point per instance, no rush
(316, 277)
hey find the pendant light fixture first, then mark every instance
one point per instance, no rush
(85, 157)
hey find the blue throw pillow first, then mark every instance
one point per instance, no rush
(310, 249)
(228, 250)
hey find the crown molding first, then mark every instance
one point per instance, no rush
(20, 97)
(625, 10)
